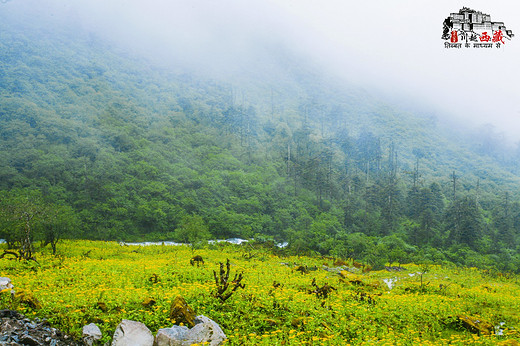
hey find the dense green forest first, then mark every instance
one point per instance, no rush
(96, 143)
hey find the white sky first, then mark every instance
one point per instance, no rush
(395, 45)
(400, 46)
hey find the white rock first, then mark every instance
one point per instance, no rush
(390, 282)
(205, 330)
(173, 336)
(91, 334)
(5, 283)
(131, 333)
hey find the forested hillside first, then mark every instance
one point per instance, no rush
(95, 143)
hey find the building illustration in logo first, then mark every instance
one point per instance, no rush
(474, 26)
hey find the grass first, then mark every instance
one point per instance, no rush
(104, 282)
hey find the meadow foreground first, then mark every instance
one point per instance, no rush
(286, 300)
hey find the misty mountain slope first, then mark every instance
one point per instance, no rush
(291, 87)
(118, 140)
(139, 152)
(294, 89)
(336, 108)
(77, 72)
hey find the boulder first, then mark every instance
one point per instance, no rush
(28, 299)
(476, 325)
(27, 339)
(181, 312)
(131, 333)
(91, 334)
(205, 331)
(148, 302)
(173, 336)
(16, 329)
(5, 284)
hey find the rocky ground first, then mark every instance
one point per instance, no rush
(16, 329)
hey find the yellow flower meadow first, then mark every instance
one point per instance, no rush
(104, 282)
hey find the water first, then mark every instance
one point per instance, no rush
(390, 282)
(236, 241)
(152, 243)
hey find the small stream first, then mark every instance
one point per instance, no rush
(236, 241)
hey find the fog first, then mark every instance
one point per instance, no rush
(391, 47)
